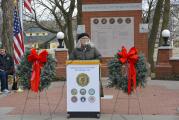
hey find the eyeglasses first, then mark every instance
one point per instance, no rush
(84, 38)
(2, 49)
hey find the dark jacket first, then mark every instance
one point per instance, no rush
(90, 53)
(7, 63)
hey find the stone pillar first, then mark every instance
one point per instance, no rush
(163, 66)
(61, 55)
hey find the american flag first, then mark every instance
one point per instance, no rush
(18, 38)
(27, 4)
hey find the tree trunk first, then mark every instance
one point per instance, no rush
(154, 31)
(70, 34)
(79, 14)
(1, 19)
(166, 15)
(7, 28)
(149, 11)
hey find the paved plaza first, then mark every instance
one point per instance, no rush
(158, 101)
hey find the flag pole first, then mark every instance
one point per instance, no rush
(20, 8)
(21, 12)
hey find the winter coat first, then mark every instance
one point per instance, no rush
(7, 63)
(90, 53)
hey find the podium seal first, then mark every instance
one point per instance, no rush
(82, 79)
(74, 99)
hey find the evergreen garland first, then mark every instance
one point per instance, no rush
(118, 78)
(24, 71)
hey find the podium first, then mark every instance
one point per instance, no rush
(83, 88)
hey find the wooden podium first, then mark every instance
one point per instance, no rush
(83, 88)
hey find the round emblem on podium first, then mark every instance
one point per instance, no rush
(91, 91)
(74, 99)
(82, 79)
(91, 99)
(83, 99)
(74, 91)
(82, 91)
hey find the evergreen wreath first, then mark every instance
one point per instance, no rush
(118, 76)
(24, 71)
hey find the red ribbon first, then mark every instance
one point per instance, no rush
(131, 57)
(38, 61)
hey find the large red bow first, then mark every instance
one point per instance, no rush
(38, 61)
(131, 57)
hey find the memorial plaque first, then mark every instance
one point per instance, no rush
(109, 36)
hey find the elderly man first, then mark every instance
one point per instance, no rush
(85, 50)
(6, 68)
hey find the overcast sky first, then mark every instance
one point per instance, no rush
(144, 5)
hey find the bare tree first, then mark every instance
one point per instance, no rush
(0, 22)
(7, 27)
(79, 15)
(59, 11)
(153, 33)
(148, 6)
(166, 17)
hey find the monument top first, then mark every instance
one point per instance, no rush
(109, 1)
(115, 23)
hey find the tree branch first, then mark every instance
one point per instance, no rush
(41, 26)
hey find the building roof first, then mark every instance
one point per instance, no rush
(30, 27)
(35, 38)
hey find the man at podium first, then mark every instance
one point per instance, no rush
(85, 50)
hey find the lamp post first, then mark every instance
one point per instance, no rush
(165, 35)
(60, 37)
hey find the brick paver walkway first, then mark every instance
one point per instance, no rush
(153, 100)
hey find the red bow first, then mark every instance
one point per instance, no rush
(131, 57)
(38, 61)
